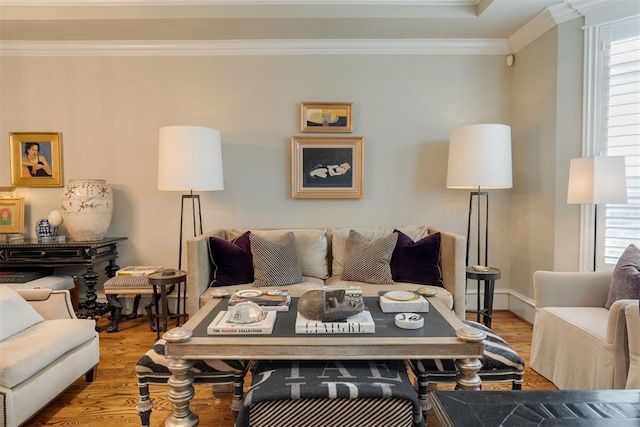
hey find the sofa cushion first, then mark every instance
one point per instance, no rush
(16, 314)
(417, 262)
(275, 263)
(312, 245)
(29, 352)
(339, 238)
(231, 261)
(625, 282)
(368, 260)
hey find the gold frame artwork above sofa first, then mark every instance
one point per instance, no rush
(47, 170)
(327, 167)
(326, 117)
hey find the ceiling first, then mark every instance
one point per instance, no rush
(96, 20)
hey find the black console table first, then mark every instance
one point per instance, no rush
(32, 253)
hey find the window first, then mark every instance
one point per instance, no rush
(616, 108)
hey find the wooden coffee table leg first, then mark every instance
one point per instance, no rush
(180, 394)
(467, 378)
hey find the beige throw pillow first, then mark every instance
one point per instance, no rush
(368, 260)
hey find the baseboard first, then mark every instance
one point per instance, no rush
(505, 299)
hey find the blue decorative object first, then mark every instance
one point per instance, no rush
(44, 229)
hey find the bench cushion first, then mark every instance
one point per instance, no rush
(500, 361)
(331, 393)
(128, 285)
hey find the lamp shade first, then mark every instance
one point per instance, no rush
(596, 180)
(480, 156)
(189, 158)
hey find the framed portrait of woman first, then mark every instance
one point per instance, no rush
(327, 167)
(36, 159)
(11, 215)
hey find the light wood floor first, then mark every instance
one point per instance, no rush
(110, 401)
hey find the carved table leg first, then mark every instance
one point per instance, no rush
(117, 312)
(181, 383)
(90, 278)
(467, 378)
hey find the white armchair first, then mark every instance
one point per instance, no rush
(632, 312)
(577, 343)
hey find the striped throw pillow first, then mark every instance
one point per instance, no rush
(368, 260)
(275, 262)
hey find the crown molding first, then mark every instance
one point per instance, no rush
(541, 23)
(65, 3)
(255, 47)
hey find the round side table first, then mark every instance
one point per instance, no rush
(489, 278)
(163, 284)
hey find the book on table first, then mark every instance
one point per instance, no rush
(360, 323)
(220, 325)
(23, 275)
(270, 300)
(138, 270)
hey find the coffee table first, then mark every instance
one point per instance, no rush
(438, 339)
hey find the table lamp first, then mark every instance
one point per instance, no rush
(594, 181)
(189, 159)
(479, 158)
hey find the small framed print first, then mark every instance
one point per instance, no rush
(327, 167)
(326, 117)
(11, 215)
(36, 159)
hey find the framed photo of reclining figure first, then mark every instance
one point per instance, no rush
(327, 167)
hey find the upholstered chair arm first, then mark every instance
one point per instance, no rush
(199, 268)
(49, 303)
(571, 289)
(632, 314)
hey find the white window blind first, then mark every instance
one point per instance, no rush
(620, 78)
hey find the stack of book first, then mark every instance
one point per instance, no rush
(361, 323)
(221, 325)
(23, 275)
(138, 270)
(271, 300)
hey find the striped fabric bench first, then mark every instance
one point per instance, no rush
(500, 363)
(331, 393)
(132, 286)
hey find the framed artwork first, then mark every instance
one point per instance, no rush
(327, 167)
(36, 159)
(11, 215)
(326, 117)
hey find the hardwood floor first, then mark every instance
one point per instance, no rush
(110, 401)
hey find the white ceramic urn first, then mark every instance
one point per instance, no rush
(87, 206)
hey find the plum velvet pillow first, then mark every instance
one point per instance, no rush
(625, 283)
(417, 262)
(231, 262)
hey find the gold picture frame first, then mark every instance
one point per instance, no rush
(326, 117)
(11, 215)
(327, 167)
(36, 168)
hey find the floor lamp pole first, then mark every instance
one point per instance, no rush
(478, 194)
(194, 198)
(595, 234)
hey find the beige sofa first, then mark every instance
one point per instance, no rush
(321, 253)
(577, 343)
(44, 348)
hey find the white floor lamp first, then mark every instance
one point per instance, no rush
(594, 181)
(189, 159)
(480, 158)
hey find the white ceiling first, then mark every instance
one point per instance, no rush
(97, 20)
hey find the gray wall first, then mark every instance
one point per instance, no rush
(109, 111)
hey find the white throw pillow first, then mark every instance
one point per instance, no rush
(16, 314)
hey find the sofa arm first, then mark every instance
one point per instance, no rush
(453, 248)
(199, 268)
(571, 289)
(49, 303)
